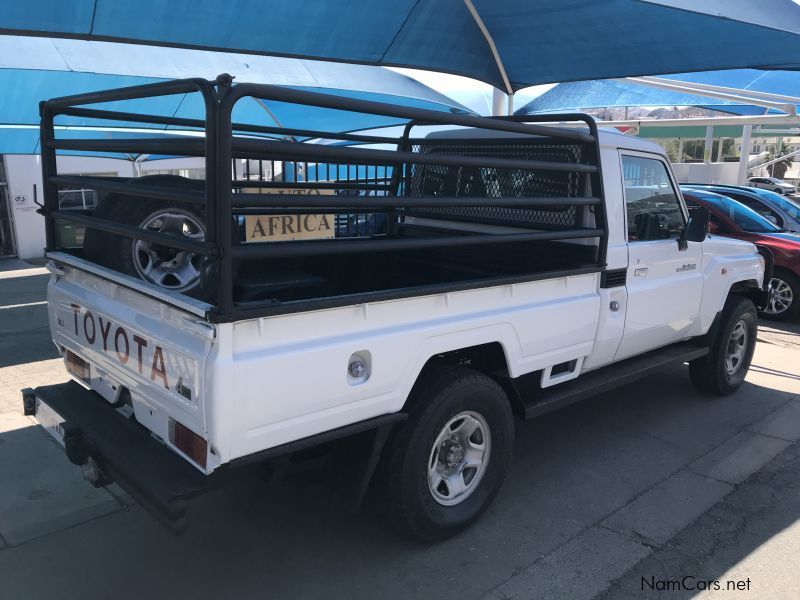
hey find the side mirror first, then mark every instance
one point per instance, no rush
(699, 225)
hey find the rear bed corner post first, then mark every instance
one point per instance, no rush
(224, 159)
(49, 169)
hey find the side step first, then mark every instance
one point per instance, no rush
(540, 401)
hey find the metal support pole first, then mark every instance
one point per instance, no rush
(680, 149)
(777, 160)
(744, 157)
(499, 103)
(709, 145)
(497, 61)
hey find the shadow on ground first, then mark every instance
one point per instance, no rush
(40, 494)
(24, 330)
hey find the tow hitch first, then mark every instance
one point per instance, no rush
(92, 473)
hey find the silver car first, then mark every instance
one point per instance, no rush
(772, 183)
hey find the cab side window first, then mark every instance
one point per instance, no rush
(651, 203)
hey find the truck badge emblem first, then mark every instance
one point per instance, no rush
(182, 389)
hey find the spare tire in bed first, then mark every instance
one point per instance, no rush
(167, 268)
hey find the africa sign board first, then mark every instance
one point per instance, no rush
(284, 228)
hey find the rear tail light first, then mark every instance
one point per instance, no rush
(188, 442)
(76, 365)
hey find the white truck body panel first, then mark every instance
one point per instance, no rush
(300, 360)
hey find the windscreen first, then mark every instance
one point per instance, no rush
(745, 218)
(788, 206)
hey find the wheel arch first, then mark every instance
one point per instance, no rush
(749, 288)
(489, 358)
(780, 269)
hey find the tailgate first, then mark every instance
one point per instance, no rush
(132, 343)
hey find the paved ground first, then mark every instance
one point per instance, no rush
(650, 483)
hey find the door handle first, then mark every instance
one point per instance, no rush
(640, 272)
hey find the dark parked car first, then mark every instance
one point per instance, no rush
(730, 218)
(783, 212)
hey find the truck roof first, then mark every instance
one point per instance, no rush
(608, 137)
(617, 139)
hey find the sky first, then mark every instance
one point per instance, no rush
(469, 92)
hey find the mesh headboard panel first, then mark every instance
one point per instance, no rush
(439, 180)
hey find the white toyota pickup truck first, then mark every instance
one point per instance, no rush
(406, 296)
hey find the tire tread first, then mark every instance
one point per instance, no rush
(707, 373)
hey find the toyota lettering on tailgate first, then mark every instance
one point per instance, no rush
(118, 343)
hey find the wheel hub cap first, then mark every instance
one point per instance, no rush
(166, 267)
(454, 454)
(737, 345)
(458, 458)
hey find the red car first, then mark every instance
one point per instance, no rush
(732, 219)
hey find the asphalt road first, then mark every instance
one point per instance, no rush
(746, 546)
(652, 480)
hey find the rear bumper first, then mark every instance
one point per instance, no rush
(93, 434)
(157, 478)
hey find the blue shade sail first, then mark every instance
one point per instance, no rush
(772, 82)
(538, 41)
(615, 93)
(25, 88)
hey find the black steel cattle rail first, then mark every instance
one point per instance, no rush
(219, 141)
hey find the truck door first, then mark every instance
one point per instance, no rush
(664, 282)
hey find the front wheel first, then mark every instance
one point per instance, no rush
(723, 370)
(445, 465)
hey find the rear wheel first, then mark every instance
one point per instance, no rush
(723, 370)
(784, 297)
(444, 466)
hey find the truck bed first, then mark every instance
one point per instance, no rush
(316, 277)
